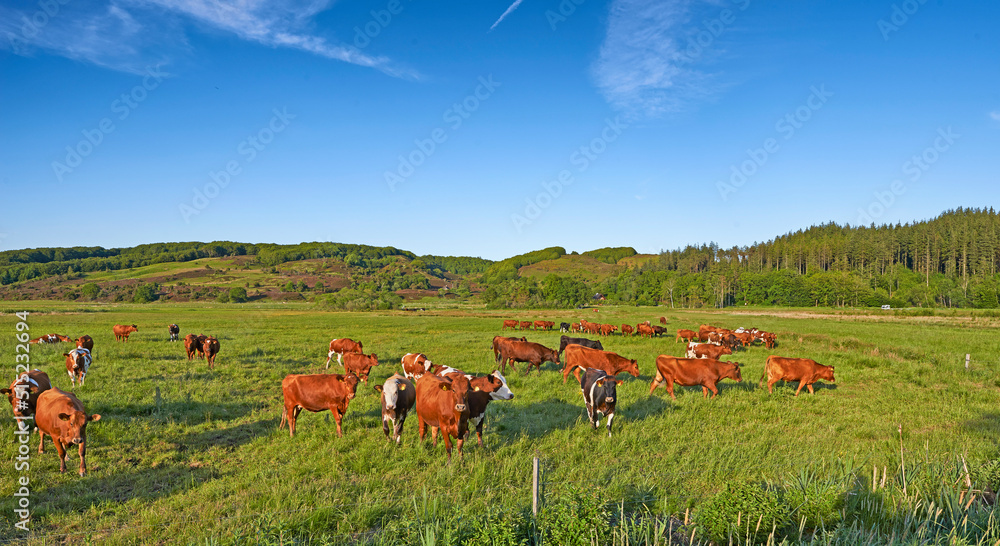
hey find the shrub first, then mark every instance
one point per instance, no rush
(238, 295)
(145, 293)
(223, 297)
(290, 287)
(497, 529)
(90, 291)
(746, 503)
(574, 518)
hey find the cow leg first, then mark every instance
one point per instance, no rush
(398, 430)
(461, 442)
(704, 391)
(41, 441)
(337, 416)
(656, 383)
(479, 431)
(447, 443)
(670, 388)
(83, 457)
(434, 435)
(385, 427)
(421, 426)
(715, 390)
(61, 450)
(292, 419)
(810, 387)
(610, 417)
(770, 385)
(802, 383)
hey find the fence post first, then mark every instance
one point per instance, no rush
(967, 358)
(534, 487)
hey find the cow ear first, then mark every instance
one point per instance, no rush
(378, 388)
(94, 417)
(64, 417)
(444, 386)
(619, 381)
(477, 389)
(600, 382)
(402, 387)
(5, 390)
(65, 354)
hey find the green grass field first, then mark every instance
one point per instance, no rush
(183, 454)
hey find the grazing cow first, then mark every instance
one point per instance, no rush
(663, 320)
(803, 370)
(690, 372)
(707, 350)
(397, 395)
(770, 340)
(61, 415)
(360, 364)
(686, 335)
(498, 341)
(564, 327)
(627, 330)
(512, 324)
(77, 363)
(174, 331)
(316, 393)
(600, 396)
(526, 324)
(122, 331)
(443, 404)
(415, 365)
(210, 347)
(525, 351)
(50, 338)
(85, 342)
(659, 330)
(23, 392)
(608, 329)
(579, 357)
(541, 324)
(576, 327)
(341, 346)
(194, 343)
(644, 330)
(744, 338)
(566, 340)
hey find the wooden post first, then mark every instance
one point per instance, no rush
(534, 487)
(967, 358)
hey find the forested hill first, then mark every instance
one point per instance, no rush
(950, 260)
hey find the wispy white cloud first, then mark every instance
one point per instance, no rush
(125, 35)
(995, 115)
(643, 68)
(510, 10)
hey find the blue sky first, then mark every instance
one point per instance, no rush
(490, 128)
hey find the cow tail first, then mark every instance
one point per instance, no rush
(767, 364)
(284, 417)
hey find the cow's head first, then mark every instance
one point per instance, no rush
(493, 384)
(727, 350)
(632, 368)
(826, 372)
(732, 371)
(608, 386)
(71, 427)
(458, 387)
(134, 328)
(351, 383)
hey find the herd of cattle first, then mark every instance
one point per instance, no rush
(447, 400)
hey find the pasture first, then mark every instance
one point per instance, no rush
(183, 454)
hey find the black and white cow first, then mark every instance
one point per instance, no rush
(564, 327)
(398, 396)
(174, 331)
(599, 393)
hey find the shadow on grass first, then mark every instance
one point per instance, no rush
(534, 420)
(190, 412)
(229, 438)
(987, 424)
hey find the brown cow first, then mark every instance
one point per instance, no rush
(578, 356)
(512, 324)
(663, 320)
(707, 350)
(644, 330)
(77, 363)
(194, 344)
(608, 329)
(85, 342)
(627, 330)
(690, 372)
(686, 335)
(23, 392)
(526, 324)
(500, 340)
(443, 404)
(61, 415)
(341, 347)
(211, 348)
(397, 396)
(525, 351)
(549, 324)
(415, 365)
(484, 389)
(576, 327)
(123, 330)
(360, 364)
(540, 324)
(803, 370)
(659, 330)
(316, 393)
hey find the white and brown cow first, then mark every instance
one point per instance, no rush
(415, 365)
(77, 363)
(340, 346)
(398, 396)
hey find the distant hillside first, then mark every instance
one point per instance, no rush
(578, 266)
